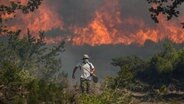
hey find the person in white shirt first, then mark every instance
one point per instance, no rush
(86, 69)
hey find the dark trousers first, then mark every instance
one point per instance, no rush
(84, 85)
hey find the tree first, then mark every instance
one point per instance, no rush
(32, 54)
(178, 73)
(12, 10)
(163, 69)
(28, 65)
(17, 87)
(28, 53)
(129, 66)
(165, 7)
(131, 62)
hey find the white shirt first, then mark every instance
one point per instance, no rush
(85, 69)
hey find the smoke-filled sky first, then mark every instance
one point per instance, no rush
(99, 22)
(102, 28)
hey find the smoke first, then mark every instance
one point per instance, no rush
(101, 28)
(101, 56)
(114, 24)
(78, 12)
(98, 22)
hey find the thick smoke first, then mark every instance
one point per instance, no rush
(78, 12)
(110, 28)
(101, 56)
(102, 21)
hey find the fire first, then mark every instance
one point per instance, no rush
(107, 26)
(102, 29)
(53, 40)
(174, 32)
(45, 18)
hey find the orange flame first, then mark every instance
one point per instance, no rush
(54, 40)
(45, 18)
(107, 27)
(102, 30)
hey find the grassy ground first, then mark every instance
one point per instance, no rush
(99, 95)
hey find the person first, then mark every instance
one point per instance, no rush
(86, 69)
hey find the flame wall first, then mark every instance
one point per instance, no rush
(98, 22)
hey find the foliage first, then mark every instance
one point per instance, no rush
(126, 76)
(163, 69)
(129, 62)
(28, 66)
(28, 69)
(166, 7)
(12, 10)
(165, 61)
(107, 97)
(28, 53)
(19, 88)
(32, 54)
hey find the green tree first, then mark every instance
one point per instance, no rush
(178, 73)
(28, 64)
(28, 53)
(17, 87)
(129, 66)
(32, 54)
(163, 69)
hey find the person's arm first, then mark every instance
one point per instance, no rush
(73, 74)
(93, 71)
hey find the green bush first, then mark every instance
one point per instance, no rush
(19, 87)
(162, 69)
(107, 97)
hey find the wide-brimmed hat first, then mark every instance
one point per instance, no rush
(85, 56)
